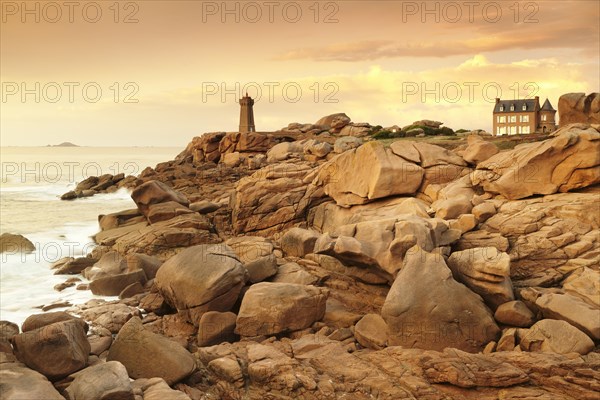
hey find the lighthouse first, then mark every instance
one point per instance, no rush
(247, 114)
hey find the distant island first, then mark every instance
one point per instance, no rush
(63, 144)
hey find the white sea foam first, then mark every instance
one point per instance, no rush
(31, 206)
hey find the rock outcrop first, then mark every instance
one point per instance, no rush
(273, 198)
(579, 108)
(271, 256)
(568, 161)
(382, 244)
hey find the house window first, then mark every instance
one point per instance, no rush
(513, 118)
(501, 130)
(524, 118)
(513, 130)
(502, 108)
(543, 117)
(525, 129)
(502, 119)
(512, 107)
(524, 107)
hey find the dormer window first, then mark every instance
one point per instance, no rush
(512, 107)
(524, 107)
(502, 107)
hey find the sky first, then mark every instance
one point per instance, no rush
(158, 73)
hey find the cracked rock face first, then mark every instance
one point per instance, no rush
(200, 279)
(382, 244)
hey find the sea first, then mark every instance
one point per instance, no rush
(32, 179)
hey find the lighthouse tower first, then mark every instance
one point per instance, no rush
(246, 114)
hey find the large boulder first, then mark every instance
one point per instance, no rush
(146, 263)
(14, 244)
(334, 121)
(346, 143)
(549, 335)
(579, 108)
(147, 355)
(55, 350)
(215, 328)
(37, 321)
(163, 238)
(110, 264)
(478, 150)
(200, 279)
(582, 315)
(371, 332)
(569, 161)
(106, 381)
(114, 284)
(348, 182)
(261, 268)
(486, 271)
(284, 150)
(298, 242)
(165, 211)
(154, 192)
(271, 308)
(426, 308)
(515, 313)
(20, 383)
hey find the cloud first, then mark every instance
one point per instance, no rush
(551, 27)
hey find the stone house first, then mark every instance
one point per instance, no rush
(523, 116)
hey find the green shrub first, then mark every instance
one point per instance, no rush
(383, 134)
(375, 129)
(429, 131)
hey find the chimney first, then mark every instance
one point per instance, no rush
(497, 100)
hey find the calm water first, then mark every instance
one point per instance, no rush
(31, 182)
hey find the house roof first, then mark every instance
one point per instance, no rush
(530, 103)
(547, 106)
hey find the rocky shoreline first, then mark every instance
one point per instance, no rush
(313, 263)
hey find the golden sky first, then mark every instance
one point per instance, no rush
(157, 72)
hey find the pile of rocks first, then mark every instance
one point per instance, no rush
(328, 271)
